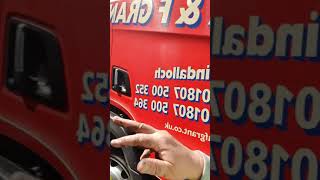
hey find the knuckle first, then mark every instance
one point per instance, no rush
(165, 137)
(139, 140)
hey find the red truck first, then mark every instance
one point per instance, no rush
(160, 71)
(54, 89)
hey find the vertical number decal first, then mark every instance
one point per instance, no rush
(101, 82)
(101, 90)
(98, 132)
(83, 132)
(87, 96)
(235, 88)
(97, 135)
(229, 144)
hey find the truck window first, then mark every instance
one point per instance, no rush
(34, 65)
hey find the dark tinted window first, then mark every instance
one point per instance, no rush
(35, 68)
(121, 81)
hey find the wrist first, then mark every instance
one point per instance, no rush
(198, 165)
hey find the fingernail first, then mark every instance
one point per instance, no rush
(114, 142)
(115, 118)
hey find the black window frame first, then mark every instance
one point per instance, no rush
(117, 87)
(54, 63)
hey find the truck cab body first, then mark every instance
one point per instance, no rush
(160, 67)
(47, 49)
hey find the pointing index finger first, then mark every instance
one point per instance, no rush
(137, 140)
(133, 125)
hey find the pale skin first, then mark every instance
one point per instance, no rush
(174, 160)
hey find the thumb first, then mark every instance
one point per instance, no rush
(154, 167)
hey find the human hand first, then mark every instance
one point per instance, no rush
(176, 161)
